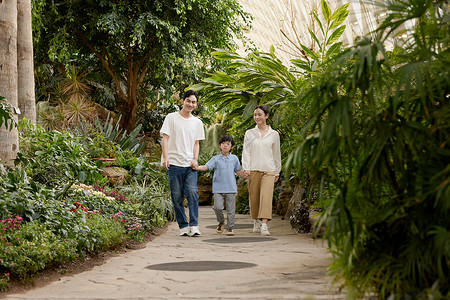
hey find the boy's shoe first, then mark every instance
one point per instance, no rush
(264, 229)
(220, 228)
(184, 231)
(256, 226)
(230, 232)
(194, 231)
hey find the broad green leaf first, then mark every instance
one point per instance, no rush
(326, 11)
(336, 35)
(315, 38)
(318, 22)
(334, 48)
(250, 107)
(309, 52)
(302, 64)
(339, 19)
(198, 86)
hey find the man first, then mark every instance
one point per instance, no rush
(181, 133)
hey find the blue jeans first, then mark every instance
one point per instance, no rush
(183, 183)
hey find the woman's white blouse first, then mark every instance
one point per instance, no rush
(261, 154)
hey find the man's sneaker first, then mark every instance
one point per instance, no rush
(230, 232)
(184, 231)
(264, 229)
(220, 228)
(256, 226)
(194, 231)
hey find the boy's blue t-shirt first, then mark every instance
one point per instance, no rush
(224, 180)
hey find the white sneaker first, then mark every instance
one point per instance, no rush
(194, 231)
(256, 226)
(184, 231)
(264, 229)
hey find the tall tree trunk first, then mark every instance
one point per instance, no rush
(25, 68)
(9, 140)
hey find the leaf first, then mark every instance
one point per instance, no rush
(198, 86)
(250, 107)
(336, 35)
(339, 18)
(318, 22)
(334, 48)
(326, 11)
(308, 51)
(315, 38)
(272, 49)
(301, 64)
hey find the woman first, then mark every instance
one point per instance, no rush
(261, 162)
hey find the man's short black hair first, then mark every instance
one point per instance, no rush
(189, 93)
(227, 138)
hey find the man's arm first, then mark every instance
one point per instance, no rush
(165, 146)
(194, 162)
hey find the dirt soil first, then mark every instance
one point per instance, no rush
(78, 266)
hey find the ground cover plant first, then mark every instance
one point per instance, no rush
(57, 207)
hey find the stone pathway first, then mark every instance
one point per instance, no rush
(285, 265)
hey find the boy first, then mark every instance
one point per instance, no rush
(224, 183)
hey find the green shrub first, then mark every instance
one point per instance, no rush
(54, 158)
(29, 248)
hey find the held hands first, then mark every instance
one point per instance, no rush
(194, 164)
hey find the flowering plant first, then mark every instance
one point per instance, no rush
(133, 225)
(4, 279)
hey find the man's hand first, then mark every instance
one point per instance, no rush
(166, 164)
(194, 164)
(246, 174)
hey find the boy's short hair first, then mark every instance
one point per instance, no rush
(227, 138)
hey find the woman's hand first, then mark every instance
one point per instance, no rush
(276, 178)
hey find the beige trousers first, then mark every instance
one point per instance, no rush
(260, 189)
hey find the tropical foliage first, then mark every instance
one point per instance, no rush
(137, 48)
(370, 128)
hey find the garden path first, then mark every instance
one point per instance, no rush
(285, 265)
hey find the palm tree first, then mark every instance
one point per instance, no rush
(26, 98)
(9, 139)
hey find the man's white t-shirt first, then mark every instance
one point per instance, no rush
(182, 136)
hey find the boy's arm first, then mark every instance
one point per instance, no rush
(202, 168)
(240, 173)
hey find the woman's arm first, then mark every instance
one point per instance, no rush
(277, 155)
